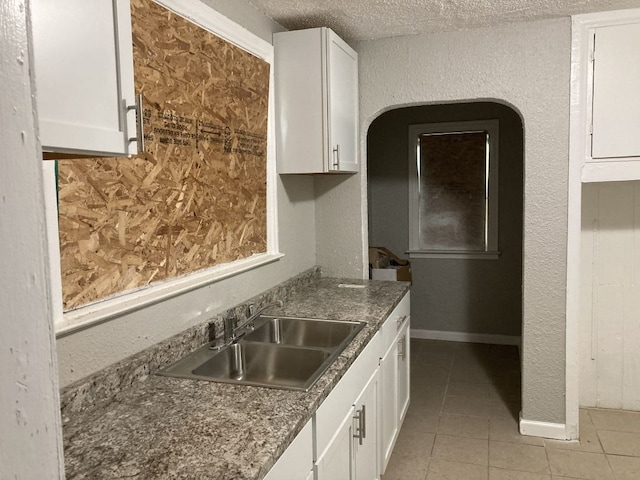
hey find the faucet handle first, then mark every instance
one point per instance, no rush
(230, 322)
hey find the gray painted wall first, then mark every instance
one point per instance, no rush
(527, 66)
(458, 295)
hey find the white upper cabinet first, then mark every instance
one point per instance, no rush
(605, 96)
(316, 92)
(84, 76)
(616, 92)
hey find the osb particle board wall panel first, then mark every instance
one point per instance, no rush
(197, 196)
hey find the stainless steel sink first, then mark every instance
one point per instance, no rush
(281, 352)
(302, 332)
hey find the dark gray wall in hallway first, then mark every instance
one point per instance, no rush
(458, 295)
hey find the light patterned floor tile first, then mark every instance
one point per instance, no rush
(512, 456)
(503, 409)
(583, 465)
(469, 390)
(502, 474)
(477, 407)
(462, 426)
(426, 402)
(401, 467)
(414, 443)
(445, 470)
(625, 468)
(615, 420)
(620, 443)
(425, 422)
(505, 391)
(461, 449)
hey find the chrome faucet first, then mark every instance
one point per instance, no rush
(252, 317)
(231, 327)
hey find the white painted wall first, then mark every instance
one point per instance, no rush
(245, 14)
(341, 225)
(90, 350)
(610, 296)
(527, 66)
(30, 432)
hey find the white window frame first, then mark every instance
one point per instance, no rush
(119, 304)
(491, 243)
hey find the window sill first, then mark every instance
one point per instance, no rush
(465, 255)
(105, 310)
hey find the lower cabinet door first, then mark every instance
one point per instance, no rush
(334, 463)
(365, 437)
(388, 399)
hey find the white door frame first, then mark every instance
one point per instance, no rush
(580, 171)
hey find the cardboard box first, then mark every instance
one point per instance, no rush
(400, 274)
(385, 265)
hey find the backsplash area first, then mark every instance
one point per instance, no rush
(102, 386)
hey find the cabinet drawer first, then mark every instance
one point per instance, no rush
(340, 400)
(395, 322)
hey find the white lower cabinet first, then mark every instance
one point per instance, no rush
(297, 460)
(403, 371)
(355, 428)
(365, 436)
(352, 453)
(389, 428)
(347, 422)
(335, 462)
(394, 379)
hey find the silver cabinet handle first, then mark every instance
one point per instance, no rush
(336, 157)
(402, 349)
(139, 123)
(360, 428)
(401, 321)
(364, 422)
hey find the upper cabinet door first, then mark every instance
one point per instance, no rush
(84, 76)
(316, 93)
(616, 92)
(342, 70)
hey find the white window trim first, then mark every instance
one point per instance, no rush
(490, 126)
(112, 307)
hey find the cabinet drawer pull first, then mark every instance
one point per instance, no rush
(336, 157)
(402, 348)
(401, 321)
(361, 427)
(139, 138)
(364, 422)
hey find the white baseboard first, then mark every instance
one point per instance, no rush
(465, 337)
(532, 428)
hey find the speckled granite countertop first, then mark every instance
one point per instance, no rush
(172, 428)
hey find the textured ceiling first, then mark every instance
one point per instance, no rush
(356, 20)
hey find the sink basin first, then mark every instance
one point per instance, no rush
(264, 364)
(302, 332)
(281, 352)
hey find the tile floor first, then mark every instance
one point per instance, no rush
(461, 425)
